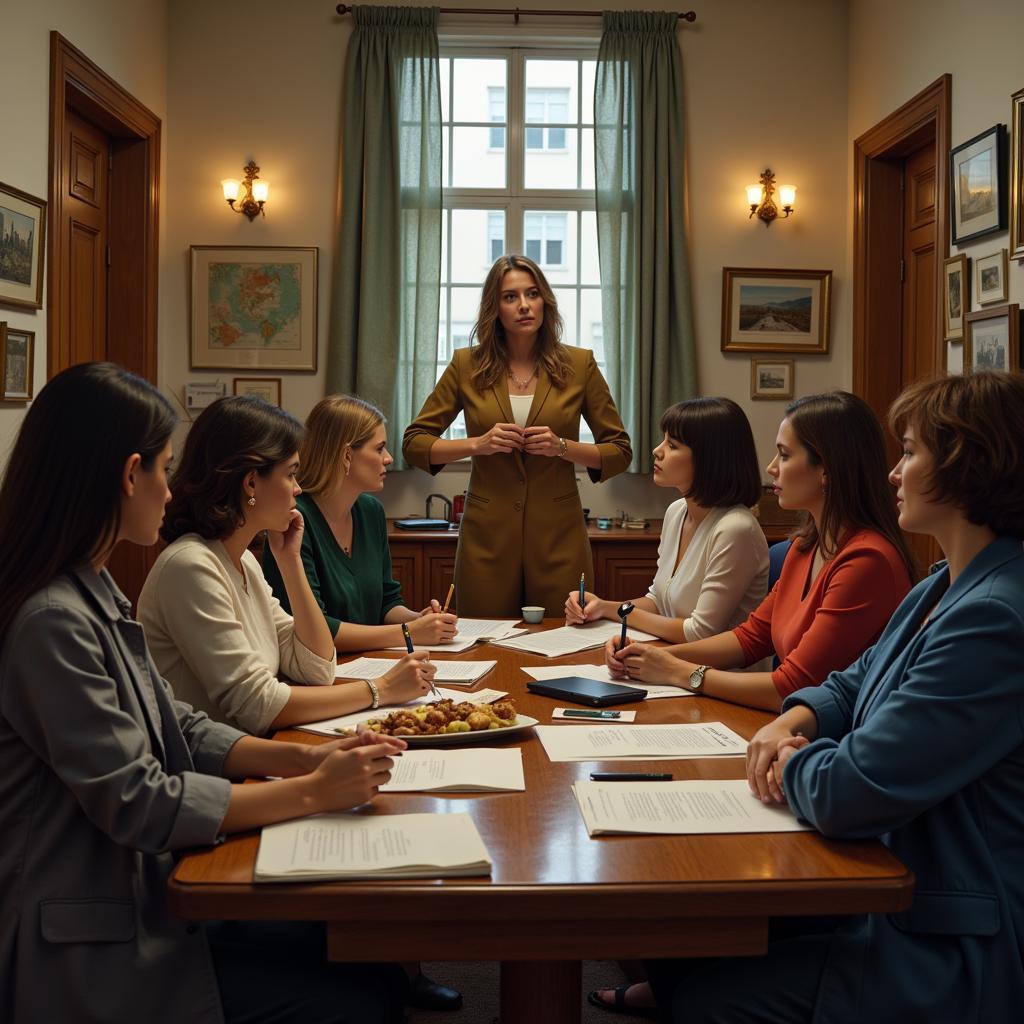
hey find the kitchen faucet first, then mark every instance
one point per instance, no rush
(447, 506)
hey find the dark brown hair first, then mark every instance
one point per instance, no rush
(490, 353)
(973, 425)
(231, 438)
(841, 433)
(725, 469)
(60, 504)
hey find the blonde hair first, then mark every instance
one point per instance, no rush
(336, 423)
(490, 353)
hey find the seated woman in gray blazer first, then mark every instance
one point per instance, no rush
(920, 743)
(104, 775)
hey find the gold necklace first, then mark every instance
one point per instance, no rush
(522, 383)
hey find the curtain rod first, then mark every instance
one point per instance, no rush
(516, 11)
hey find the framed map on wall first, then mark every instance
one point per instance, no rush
(254, 307)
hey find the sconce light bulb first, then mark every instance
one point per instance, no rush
(230, 187)
(260, 191)
(787, 195)
(754, 195)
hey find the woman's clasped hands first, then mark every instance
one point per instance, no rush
(767, 753)
(503, 438)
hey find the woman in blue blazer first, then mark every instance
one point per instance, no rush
(920, 743)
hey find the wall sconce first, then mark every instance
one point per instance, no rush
(760, 198)
(254, 193)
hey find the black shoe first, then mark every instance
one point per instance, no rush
(425, 994)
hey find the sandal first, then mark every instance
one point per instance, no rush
(619, 1004)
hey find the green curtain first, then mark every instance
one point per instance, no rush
(386, 282)
(641, 198)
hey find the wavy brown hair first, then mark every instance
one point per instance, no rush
(231, 438)
(841, 433)
(490, 353)
(335, 423)
(973, 425)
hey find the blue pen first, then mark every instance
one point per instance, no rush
(408, 637)
(583, 590)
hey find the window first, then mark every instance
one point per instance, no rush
(518, 135)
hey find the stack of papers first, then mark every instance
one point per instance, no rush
(655, 691)
(554, 643)
(679, 808)
(342, 846)
(343, 723)
(462, 673)
(471, 770)
(470, 632)
(647, 742)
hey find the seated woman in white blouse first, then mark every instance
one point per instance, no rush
(713, 558)
(217, 633)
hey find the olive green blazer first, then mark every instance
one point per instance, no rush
(522, 539)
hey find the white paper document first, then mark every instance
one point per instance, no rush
(463, 673)
(343, 846)
(466, 770)
(680, 808)
(333, 726)
(472, 631)
(554, 643)
(655, 691)
(648, 742)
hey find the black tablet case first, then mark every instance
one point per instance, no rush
(581, 690)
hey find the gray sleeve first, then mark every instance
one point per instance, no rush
(58, 693)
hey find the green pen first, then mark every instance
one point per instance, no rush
(591, 714)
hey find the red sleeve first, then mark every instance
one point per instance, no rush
(755, 635)
(861, 592)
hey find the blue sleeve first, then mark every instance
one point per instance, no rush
(942, 727)
(833, 701)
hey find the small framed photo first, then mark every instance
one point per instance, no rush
(771, 378)
(22, 243)
(957, 290)
(775, 310)
(267, 388)
(990, 278)
(16, 351)
(1017, 175)
(254, 307)
(992, 338)
(977, 174)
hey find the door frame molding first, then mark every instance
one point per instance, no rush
(924, 117)
(78, 83)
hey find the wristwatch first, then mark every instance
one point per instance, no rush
(696, 680)
(374, 694)
(563, 447)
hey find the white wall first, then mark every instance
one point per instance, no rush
(897, 49)
(128, 40)
(272, 91)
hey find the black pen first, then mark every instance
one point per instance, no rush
(408, 638)
(631, 776)
(624, 609)
(570, 713)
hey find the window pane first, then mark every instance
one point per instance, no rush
(556, 138)
(444, 247)
(445, 69)
(475, 163)
(472, 234)
(551, 235)
(587, 158)
(554, 82)
(445, 169)
(495, 234)
(554, 168)
(534, 138)
(589, 73)
(591, 330)
(474, 77)
(566, 298)
(590, 268)
(465, 305)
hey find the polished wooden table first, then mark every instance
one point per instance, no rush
(556, 896)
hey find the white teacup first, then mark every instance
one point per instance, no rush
(532, 613)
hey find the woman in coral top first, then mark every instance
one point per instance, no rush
(846, 571)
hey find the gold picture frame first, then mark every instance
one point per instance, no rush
(771, 379)
(992, 338)
(1017, 175)
(17, 349)
(771, 311)
(22, 248)
(267, 388)
(990, 277)
(956, 296)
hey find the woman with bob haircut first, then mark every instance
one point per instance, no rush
(345, 553)
(522, 539)
(845, 572)
(217, 633)
(104, 776)
(713, 558)
(919, 743)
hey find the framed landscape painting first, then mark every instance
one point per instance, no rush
(977, 176)
(771, 378)
(775, 310)
(22, 243)
(254, 307)
(16, 348)
(992, 338)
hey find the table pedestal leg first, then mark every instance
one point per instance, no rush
(541, 992)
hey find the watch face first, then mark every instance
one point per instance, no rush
(696, 679)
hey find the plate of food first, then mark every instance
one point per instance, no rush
(447, 723)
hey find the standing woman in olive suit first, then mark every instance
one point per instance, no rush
(522, 539)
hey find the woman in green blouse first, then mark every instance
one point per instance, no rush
(345, 546)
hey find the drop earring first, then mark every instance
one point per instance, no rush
(252, 501)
